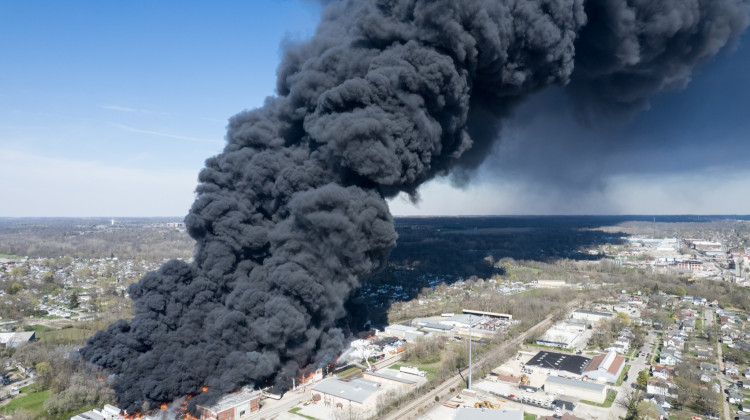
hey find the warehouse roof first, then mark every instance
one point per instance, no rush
(560, 361)
(357, 390)
(583, 311)
(395, 377)
(231, 400)
(16, 337)
(556, 380)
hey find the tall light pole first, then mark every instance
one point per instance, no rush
(469, 352)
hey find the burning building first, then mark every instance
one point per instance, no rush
(235, 406)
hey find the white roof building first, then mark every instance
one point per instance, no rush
(15, 339)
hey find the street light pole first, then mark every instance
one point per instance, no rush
(469, 352)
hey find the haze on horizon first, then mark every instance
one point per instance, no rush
(110, 110)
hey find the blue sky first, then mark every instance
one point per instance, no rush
(110, 109)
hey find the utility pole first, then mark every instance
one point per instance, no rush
(469, 352)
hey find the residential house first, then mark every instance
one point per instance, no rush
(708, 367)
(662, 372)
(731, 370)
(688, 325)
(736, 397)
(707, 377)
(656, 386)
(670, 357)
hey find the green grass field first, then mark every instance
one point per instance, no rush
(529, 416)
(66, 416)
(431, 370)
(65, 336)
(350, 372)
(296, 410)
(621, 379)
(38, 328)
(32, 402)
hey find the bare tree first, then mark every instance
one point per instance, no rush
(347, 413)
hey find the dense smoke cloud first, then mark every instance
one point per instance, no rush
(632, 49)
(291, 217)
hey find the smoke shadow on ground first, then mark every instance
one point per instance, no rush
(444, 250)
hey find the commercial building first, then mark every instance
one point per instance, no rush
(584, 390)
(360, 394)
(605, 367)
(550, 284)
(562, 335)
(496, 388)
(109, 412)
(507, 317)
(235, 406)
(591, 316)
(396, 380)
(461, 320)
(429, 325)
(560, 364)
(15, 339)
(409, 334)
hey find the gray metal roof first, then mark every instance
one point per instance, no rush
(357, 390)
(391, 377)
(231, 400)
(556, 380)
(583, 311)
(435, 326)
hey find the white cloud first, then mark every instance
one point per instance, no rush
(160, 134)
(711, 191)
(39, 186)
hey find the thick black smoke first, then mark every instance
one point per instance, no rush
(632, 49)
(291, 217)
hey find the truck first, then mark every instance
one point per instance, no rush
(412, 370)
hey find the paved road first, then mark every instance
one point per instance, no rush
(709, 319)
(426, 401)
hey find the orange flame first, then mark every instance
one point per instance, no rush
(205, 388)
(101, 379)
(163, 406)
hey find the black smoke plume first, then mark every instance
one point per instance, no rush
(291, 217)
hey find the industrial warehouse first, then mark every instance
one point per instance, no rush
(573, 387)
(560, 364)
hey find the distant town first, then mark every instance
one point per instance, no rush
(635, 323)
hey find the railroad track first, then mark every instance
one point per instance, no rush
(426, 401)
